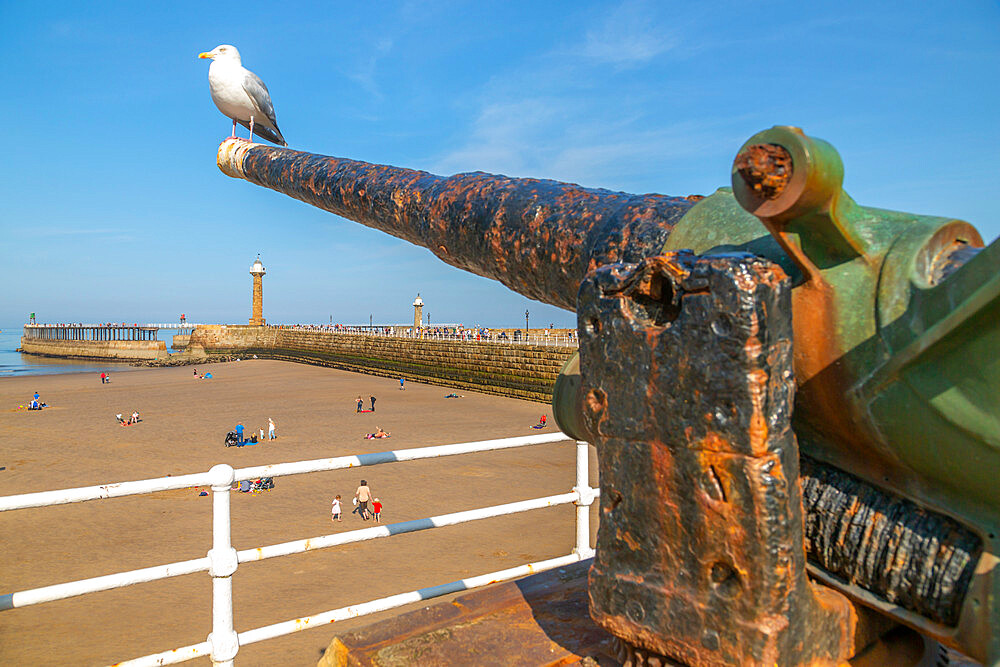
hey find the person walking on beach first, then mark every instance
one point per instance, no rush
(270, 429)
(361, 404)
(377, 510)
(103, 378)
(363, 496)
(401, 384)
(373, 402)
(335, 516)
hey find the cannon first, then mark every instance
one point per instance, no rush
(795, 399)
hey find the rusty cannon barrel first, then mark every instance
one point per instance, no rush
(699, 318)
(537, 237)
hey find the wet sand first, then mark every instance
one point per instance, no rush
(77, 442)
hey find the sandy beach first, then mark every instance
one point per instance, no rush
(77, 442)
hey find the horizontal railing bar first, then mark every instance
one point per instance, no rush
(341, 462)
(364, 609)
(120, 489)
(388, 530)
(116, 490)
(102, 583)
(382, 604)
(180, 568)
(182, 654)
(143, 325)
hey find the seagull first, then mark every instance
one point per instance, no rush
(241, 95)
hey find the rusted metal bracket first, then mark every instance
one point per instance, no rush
(686, 364)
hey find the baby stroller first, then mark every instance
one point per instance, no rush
(256, 485)
(232, 440)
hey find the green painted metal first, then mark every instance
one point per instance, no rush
(898, 368)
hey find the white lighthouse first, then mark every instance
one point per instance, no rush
(418, 312)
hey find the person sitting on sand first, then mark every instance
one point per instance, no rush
(135, 417)
(119, 418)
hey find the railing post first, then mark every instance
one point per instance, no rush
(223, 561)
(585, 497)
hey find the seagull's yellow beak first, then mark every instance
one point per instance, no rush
(204, 55)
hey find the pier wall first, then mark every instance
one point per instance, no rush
(519, 371)
(125, 350)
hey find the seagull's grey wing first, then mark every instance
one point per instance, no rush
(257, 91)
(265, 132)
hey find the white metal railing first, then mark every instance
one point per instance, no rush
(222, 559)
(117, 325)
(428, 333)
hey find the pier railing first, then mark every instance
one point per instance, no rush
(102, 332)
(223, 560)
(429, 333)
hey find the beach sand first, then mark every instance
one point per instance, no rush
(77, 442)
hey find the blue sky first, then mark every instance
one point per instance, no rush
(112, 208)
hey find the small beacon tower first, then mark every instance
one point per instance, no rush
(418, 312)
(257, 271)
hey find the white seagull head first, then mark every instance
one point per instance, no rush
(223, 52)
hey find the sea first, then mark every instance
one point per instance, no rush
(15, 364)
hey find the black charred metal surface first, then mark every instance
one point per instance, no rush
(919, 560)
(688, 365)
(537, 237)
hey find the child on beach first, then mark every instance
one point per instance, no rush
(336, 509)
(377, 510)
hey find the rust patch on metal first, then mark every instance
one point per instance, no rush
(537, 237)
(699, 557)
(766, 168)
